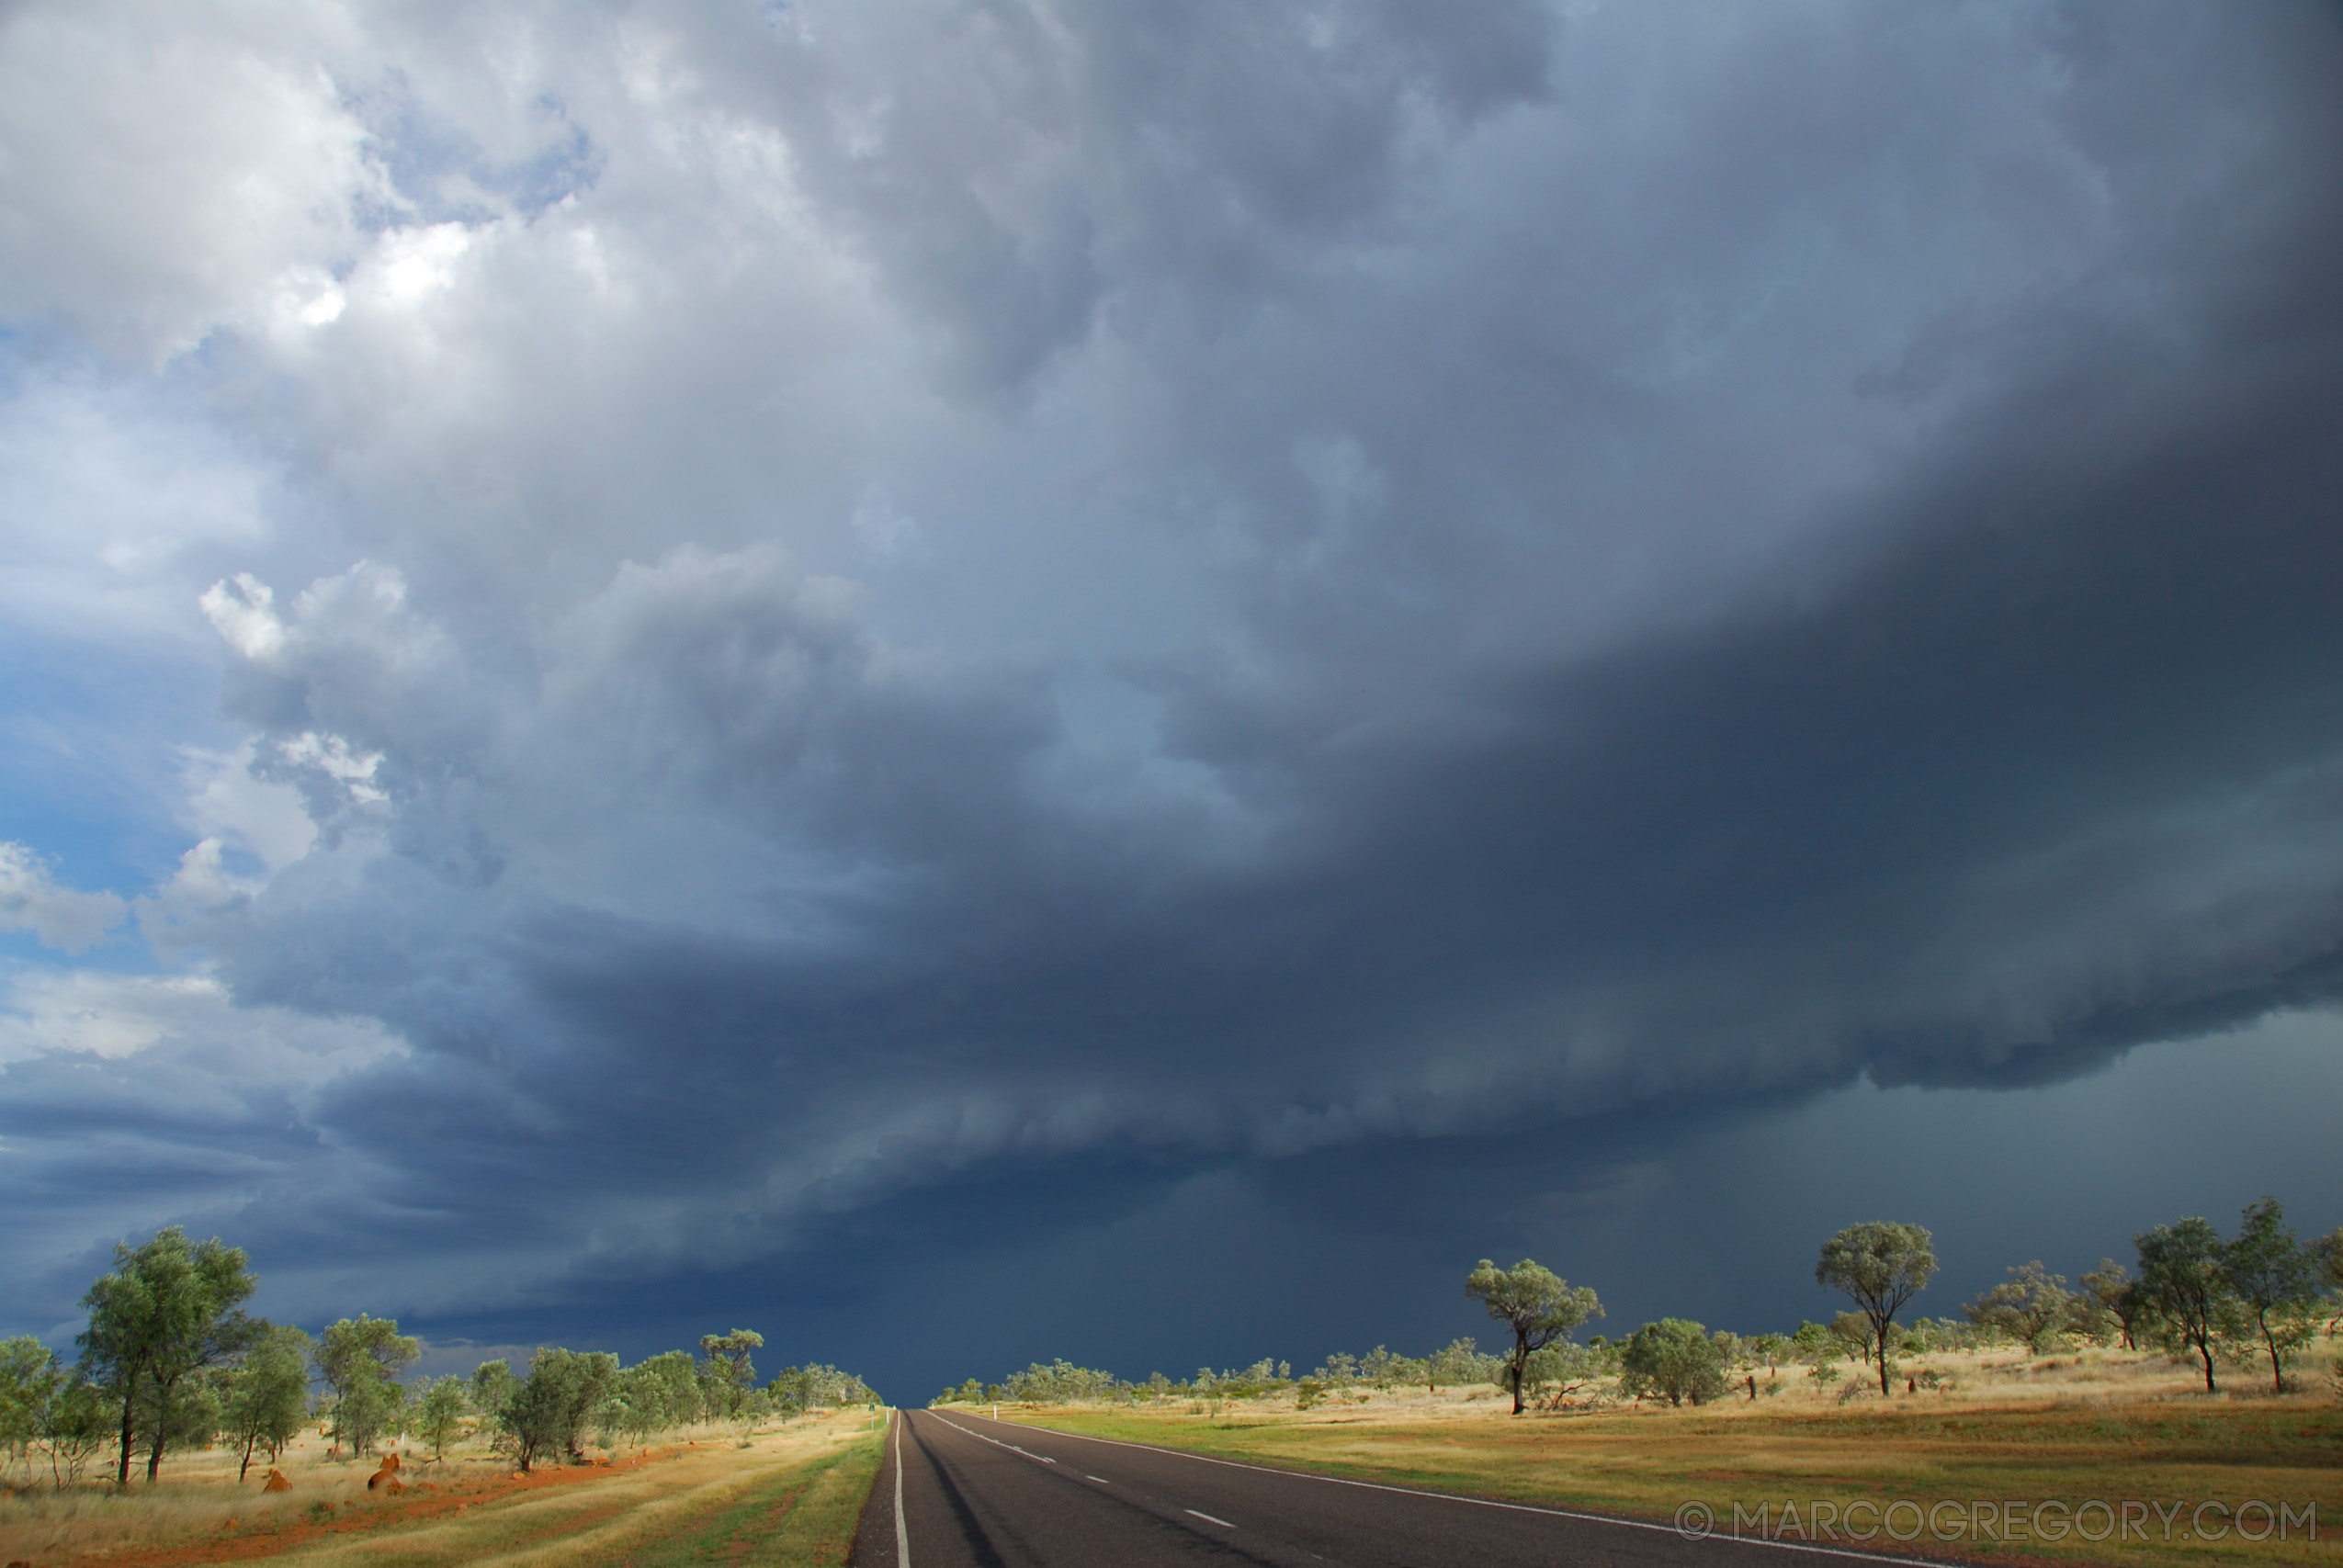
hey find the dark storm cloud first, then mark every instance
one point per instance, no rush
(1008, 623)
(2054, 775)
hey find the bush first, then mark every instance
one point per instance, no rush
(1673, 1359)
(547, 1412)
(439, 1415)
(1060, 1382)
(1557, 1371)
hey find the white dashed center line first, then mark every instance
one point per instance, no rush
(1208, 1519)
(1100, 1478)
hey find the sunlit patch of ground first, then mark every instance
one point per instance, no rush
(791, 1495)
(2115, 1426)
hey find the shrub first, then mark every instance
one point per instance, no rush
(546, 1413)
(1673, 1359)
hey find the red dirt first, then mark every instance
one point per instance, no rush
(420, 1501)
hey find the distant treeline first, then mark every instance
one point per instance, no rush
(2255, 1298)
(170, 1360)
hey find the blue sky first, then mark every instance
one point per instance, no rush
(1157, 671)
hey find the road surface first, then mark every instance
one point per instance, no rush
(959, 1490)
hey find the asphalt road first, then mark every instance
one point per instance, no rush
(965, 1492)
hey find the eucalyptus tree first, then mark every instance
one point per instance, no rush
(1672, 1359)
(50, 1408)
(2184, 1279)
(492, 1386)
(2327, 1252)
(547, 1412)
(1539, 1305)
(439, 1413)
(2033, 1306)
(76, 1427)
(1555, 1372)
(1882, 1265)
(664, 1389)
(2276, 1280)
(2115, 1294)
(1854, 1332)
(28, 1380)
(360, 1358)
(266, 1394)
(729, 1374)
(169, 1310)
(1461, 1362)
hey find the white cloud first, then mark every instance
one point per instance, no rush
(332, 755)
(410, 265)
(166, 169)
(242, 610)
(264, 817)
(60, 916)
(113, 1016)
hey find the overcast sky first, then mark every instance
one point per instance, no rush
(974, 681)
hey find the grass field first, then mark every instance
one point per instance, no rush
(790, 1495)
(2115, 1428)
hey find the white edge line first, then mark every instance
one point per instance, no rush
(1021, 1453)
(1208, 1519)
(1475, 1502)
(902, 1540)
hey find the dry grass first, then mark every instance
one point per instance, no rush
(2103, 1425)
(791, 1495)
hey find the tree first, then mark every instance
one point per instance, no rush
(2276, 1280)
(74, 1424)
(1673, 1359)
(439, 1415)
(730, 1372)
(2033, 1306)
(1855, 1331)
(492, 1386)
(651, 1395)
(1460, 1362)
(29, 1377)
(168, 1311)
(267, 1397)
(2109, 1288)
(669, 1382)
(2184, 1279)
(2326, 1251)
(360, 1358)
(1881, 1265)
(546, 1413)
(1539, 1305)
(1557, 1371)
(189, 1416)
(816, 1384)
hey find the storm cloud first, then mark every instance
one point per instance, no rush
(739, 652)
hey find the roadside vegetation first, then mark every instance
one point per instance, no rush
(2254, 1305)
(789, 1492)
(2205, 1374)
(184, 1417)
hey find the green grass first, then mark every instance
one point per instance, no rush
(802, 1517)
